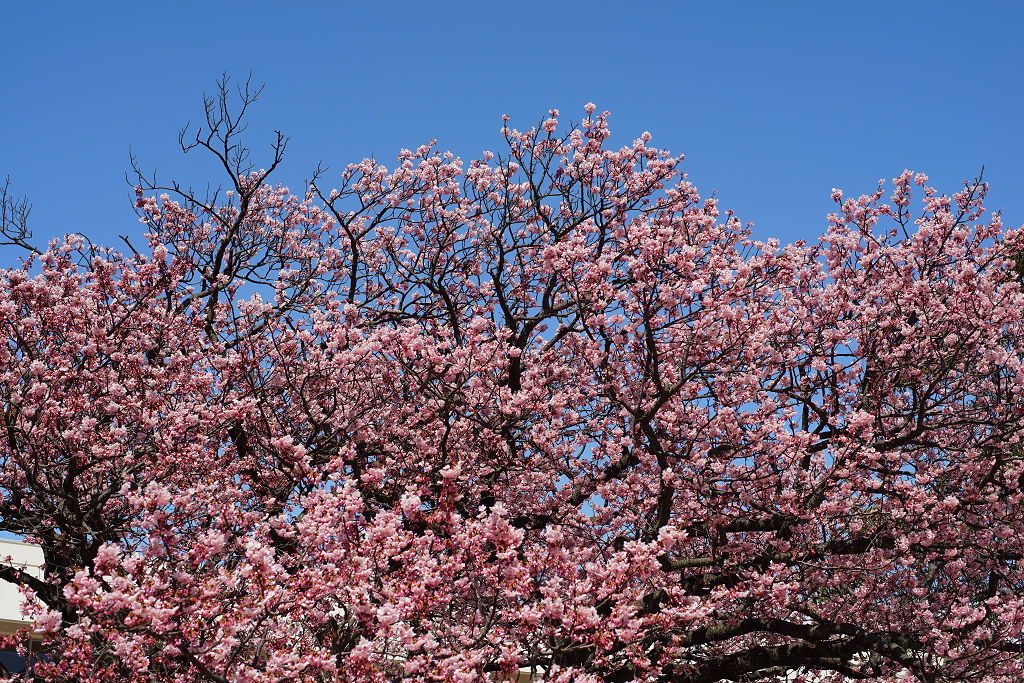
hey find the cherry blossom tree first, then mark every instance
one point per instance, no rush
(549, 409)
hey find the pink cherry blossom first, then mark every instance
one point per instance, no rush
(549, 410)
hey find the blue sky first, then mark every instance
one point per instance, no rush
(773, 104)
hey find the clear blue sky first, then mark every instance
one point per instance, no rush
(773, 103)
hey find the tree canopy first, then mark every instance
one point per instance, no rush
(548, 409)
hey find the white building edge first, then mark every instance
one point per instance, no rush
(30, 558)
(25, 556)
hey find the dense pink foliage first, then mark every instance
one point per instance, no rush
(548, 409)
